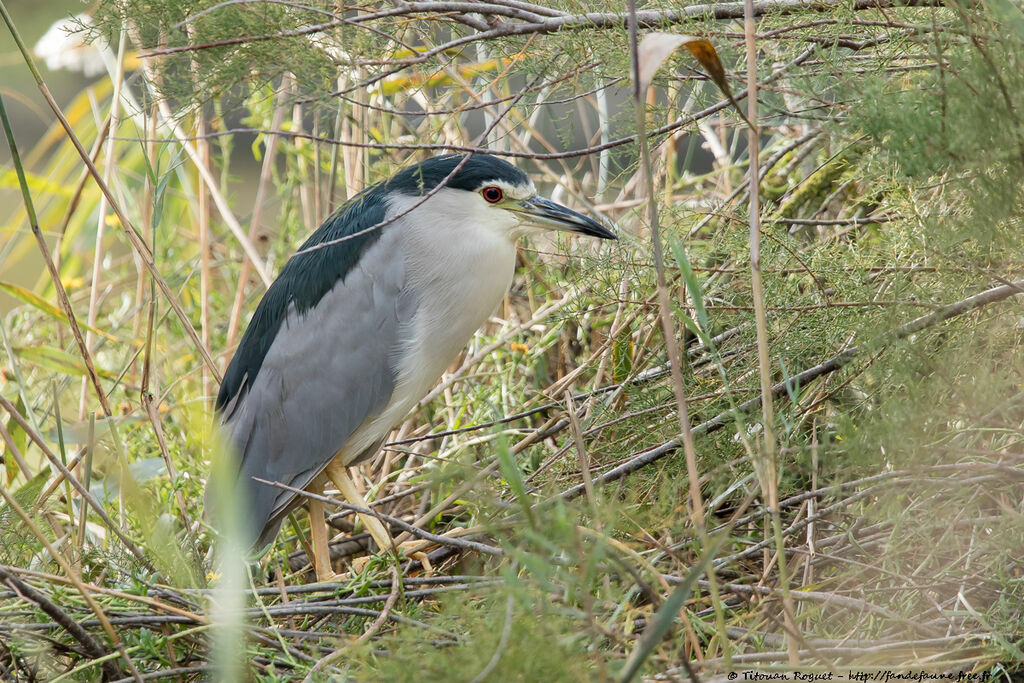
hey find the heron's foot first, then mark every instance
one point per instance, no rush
(421, 557)
(333, 577)
(409, 549)
(414, 550)
(359, 563)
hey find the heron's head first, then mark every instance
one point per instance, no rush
(486, 193)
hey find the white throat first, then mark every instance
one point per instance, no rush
(461, 270)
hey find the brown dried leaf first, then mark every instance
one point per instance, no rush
(657, 46)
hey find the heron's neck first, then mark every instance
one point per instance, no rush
(462, 275)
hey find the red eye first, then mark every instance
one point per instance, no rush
(492, 194)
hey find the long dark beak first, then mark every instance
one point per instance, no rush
(545, 213)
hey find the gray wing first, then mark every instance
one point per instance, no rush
(326, 372)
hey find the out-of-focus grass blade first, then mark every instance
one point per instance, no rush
(226, 607)
(657, 46)
(662, 621)
(20, 439)
(36, 183)
(41, 304)
(33, 300)
(514, 477)
(57, 361)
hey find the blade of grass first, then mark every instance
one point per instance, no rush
(101, 214)
(41, 304)
(90, 447)
(666, 616)
(665, 315)
(768, 470)
(63, 452)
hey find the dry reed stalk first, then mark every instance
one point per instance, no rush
(101, 214)
(262, 188)
(768, 471)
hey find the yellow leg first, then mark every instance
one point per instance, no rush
(340, 476)
(318, 530)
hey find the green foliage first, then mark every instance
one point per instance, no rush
(961, 123)
(536, 645)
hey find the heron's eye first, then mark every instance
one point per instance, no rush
(492, 194)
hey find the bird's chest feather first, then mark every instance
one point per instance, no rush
(456, 276)
(460, 283)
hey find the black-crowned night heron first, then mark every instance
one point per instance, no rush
(354, 333)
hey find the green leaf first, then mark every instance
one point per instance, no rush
(20, 438)
(41, 304)
(693, 287)
(514, 477)
(58, 361)
(36, 183)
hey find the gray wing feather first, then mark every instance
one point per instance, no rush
(326, 372)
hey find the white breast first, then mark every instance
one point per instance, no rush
(460, 271)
